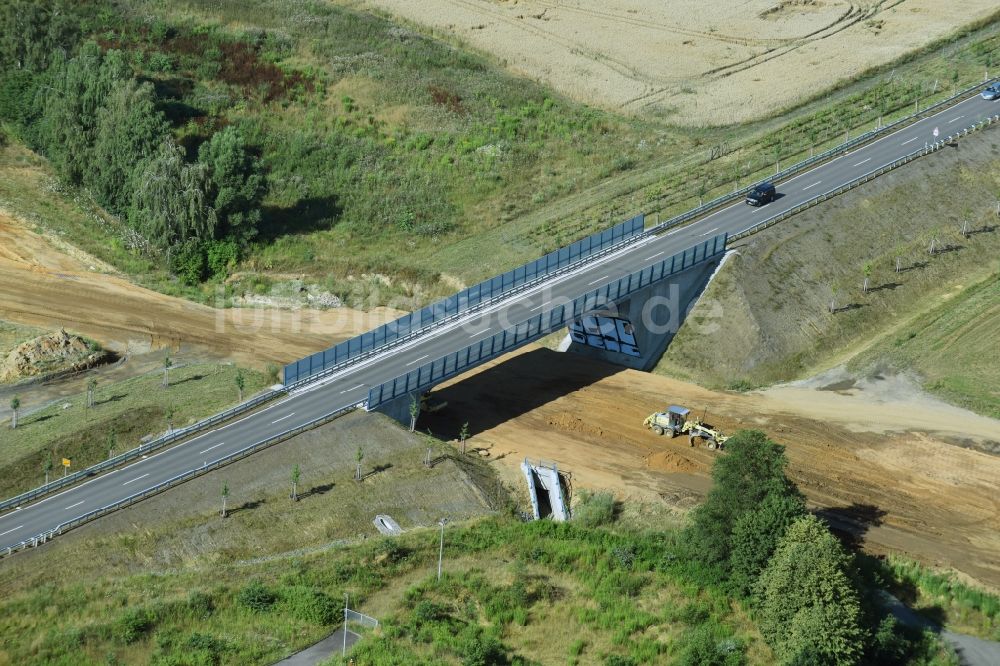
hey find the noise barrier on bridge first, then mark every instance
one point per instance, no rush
(540, 325)
(327, 359)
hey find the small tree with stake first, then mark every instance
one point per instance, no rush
(168, 414)
(112, 442)
(91, 387)
(167, 364)
(296, 473)
(463, 434)
(414, 413)
(15, 404)
(868, 275)
(47, 466)
(241, 383)
(358, 457)
(225, 495)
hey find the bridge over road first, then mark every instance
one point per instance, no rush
(377, 376)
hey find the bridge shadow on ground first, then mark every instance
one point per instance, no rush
(504, 391)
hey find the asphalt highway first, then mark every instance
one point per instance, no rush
(350, 386)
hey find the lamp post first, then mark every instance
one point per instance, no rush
(344, 652)
(441, 547)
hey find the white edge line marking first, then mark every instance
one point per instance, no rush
(12, 530)
(168, 449)
(863, 161)
(417, 360)
(287, 416)
(214, 446)
(135, 479)
(560, 278)
(73, 505)
(813, 185)
(617, 254)
(909, 140)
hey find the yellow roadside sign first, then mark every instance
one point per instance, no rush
(66, 462)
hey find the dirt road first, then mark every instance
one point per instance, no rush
(905, 487)
(45, 283)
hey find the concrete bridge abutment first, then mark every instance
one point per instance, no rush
(635, 331)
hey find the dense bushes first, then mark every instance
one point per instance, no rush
(594, 509)
(103, 129)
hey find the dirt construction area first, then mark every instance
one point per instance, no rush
(46, 283)
(888, 464)
(690, 59)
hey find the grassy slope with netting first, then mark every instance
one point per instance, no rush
(123, 413)
(392, 153)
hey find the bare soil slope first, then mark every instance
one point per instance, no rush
(880, 471)
(693, 57)
(50, 286)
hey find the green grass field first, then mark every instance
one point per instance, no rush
(123, 413)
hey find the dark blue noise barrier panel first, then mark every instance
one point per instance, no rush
(468, 298)
(540, 325)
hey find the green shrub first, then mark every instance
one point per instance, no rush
(708, 645)
(256, 597)
(132, 625)
(310, 605)
(484, 651)
(200, 604)
(594, 509)
(390, 551)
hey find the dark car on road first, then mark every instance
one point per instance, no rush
(761, 194)
(991, 92)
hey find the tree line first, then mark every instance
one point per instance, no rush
(103, 129)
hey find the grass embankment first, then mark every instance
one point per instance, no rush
(123, 413)
(169, 581)
(766, 317)
(389, 152)
(951, 346)
(152, 581)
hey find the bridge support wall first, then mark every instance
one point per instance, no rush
(399, 408)
(635, 331)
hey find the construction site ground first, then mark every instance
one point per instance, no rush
(887, 463)
(48, 284)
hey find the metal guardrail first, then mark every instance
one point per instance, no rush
(652, 231)
(541, 324)
(180, 478)
(527, 286)
(139, 451)
(179, 434)
(461, 302)
(821, 157)
(819, 198)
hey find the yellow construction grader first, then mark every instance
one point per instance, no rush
(676, 420)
